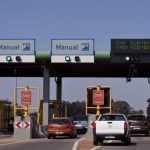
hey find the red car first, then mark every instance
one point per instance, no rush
(61, 126)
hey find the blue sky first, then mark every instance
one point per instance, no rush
(98, 19)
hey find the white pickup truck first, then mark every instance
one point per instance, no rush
(111, 127)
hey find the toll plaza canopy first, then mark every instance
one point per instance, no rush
(102, 67)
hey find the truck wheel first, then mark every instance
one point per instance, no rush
(95, 140)
(128, 141)
(100, 141)
(147, 133)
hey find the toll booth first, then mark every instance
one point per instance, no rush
(6, 116)
(54, 108)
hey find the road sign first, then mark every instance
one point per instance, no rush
(18, 124)
(72, 46)
(98, 97)
(15, 50)
(26, 124)
(75, 50)
(26, 97)
(22, 125)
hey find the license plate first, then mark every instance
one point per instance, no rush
(109, 137)
(59, 133)
(137, 128)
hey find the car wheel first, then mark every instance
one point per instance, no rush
(53, 137)
(49, 137)
(75, 136)
(72, 136)
(95, 140)
(147, 133)
(100, 141)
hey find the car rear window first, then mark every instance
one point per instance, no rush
(136, 117)
(112, 118)
(59, 121)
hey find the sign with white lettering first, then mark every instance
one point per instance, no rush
(16, 46)
(72, 46)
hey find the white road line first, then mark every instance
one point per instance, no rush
(4, 139)
(95, 147)
(76, 144)
(31, 140)
(14, 142)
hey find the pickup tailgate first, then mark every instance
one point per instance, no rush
(109, 127)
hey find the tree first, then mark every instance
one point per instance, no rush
(74, 108)
(121, 107)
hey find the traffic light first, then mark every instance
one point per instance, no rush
(25, 111)
(67, 59)
(8, 58)
(18, 58)
(77, 58)
(132, 59)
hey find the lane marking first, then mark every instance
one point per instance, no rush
(76, 144)
(95, 147)
(14, 143)
(31, 140)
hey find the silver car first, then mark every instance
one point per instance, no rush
(81, 123)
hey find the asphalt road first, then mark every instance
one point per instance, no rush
(139, 142)
(60, 143)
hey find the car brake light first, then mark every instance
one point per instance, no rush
(145, 123)
(93, 124)
(49, 126)
(69, 126)
(125, 125)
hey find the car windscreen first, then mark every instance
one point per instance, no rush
(112, 118)
(136, 117)
(59, 121)
(80, 118)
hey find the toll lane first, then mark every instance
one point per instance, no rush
(139, 142)
(60, 143)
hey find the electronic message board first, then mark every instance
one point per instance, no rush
(130, 45)
(130, 50)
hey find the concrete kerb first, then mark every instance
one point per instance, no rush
(43, 131)
(87, 142)
(89, 133)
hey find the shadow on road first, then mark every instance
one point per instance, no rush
(118, 144)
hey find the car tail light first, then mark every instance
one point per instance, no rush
(69, 126)
(125, 126)
(93, 124)
(49, 126)
(145, 123)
